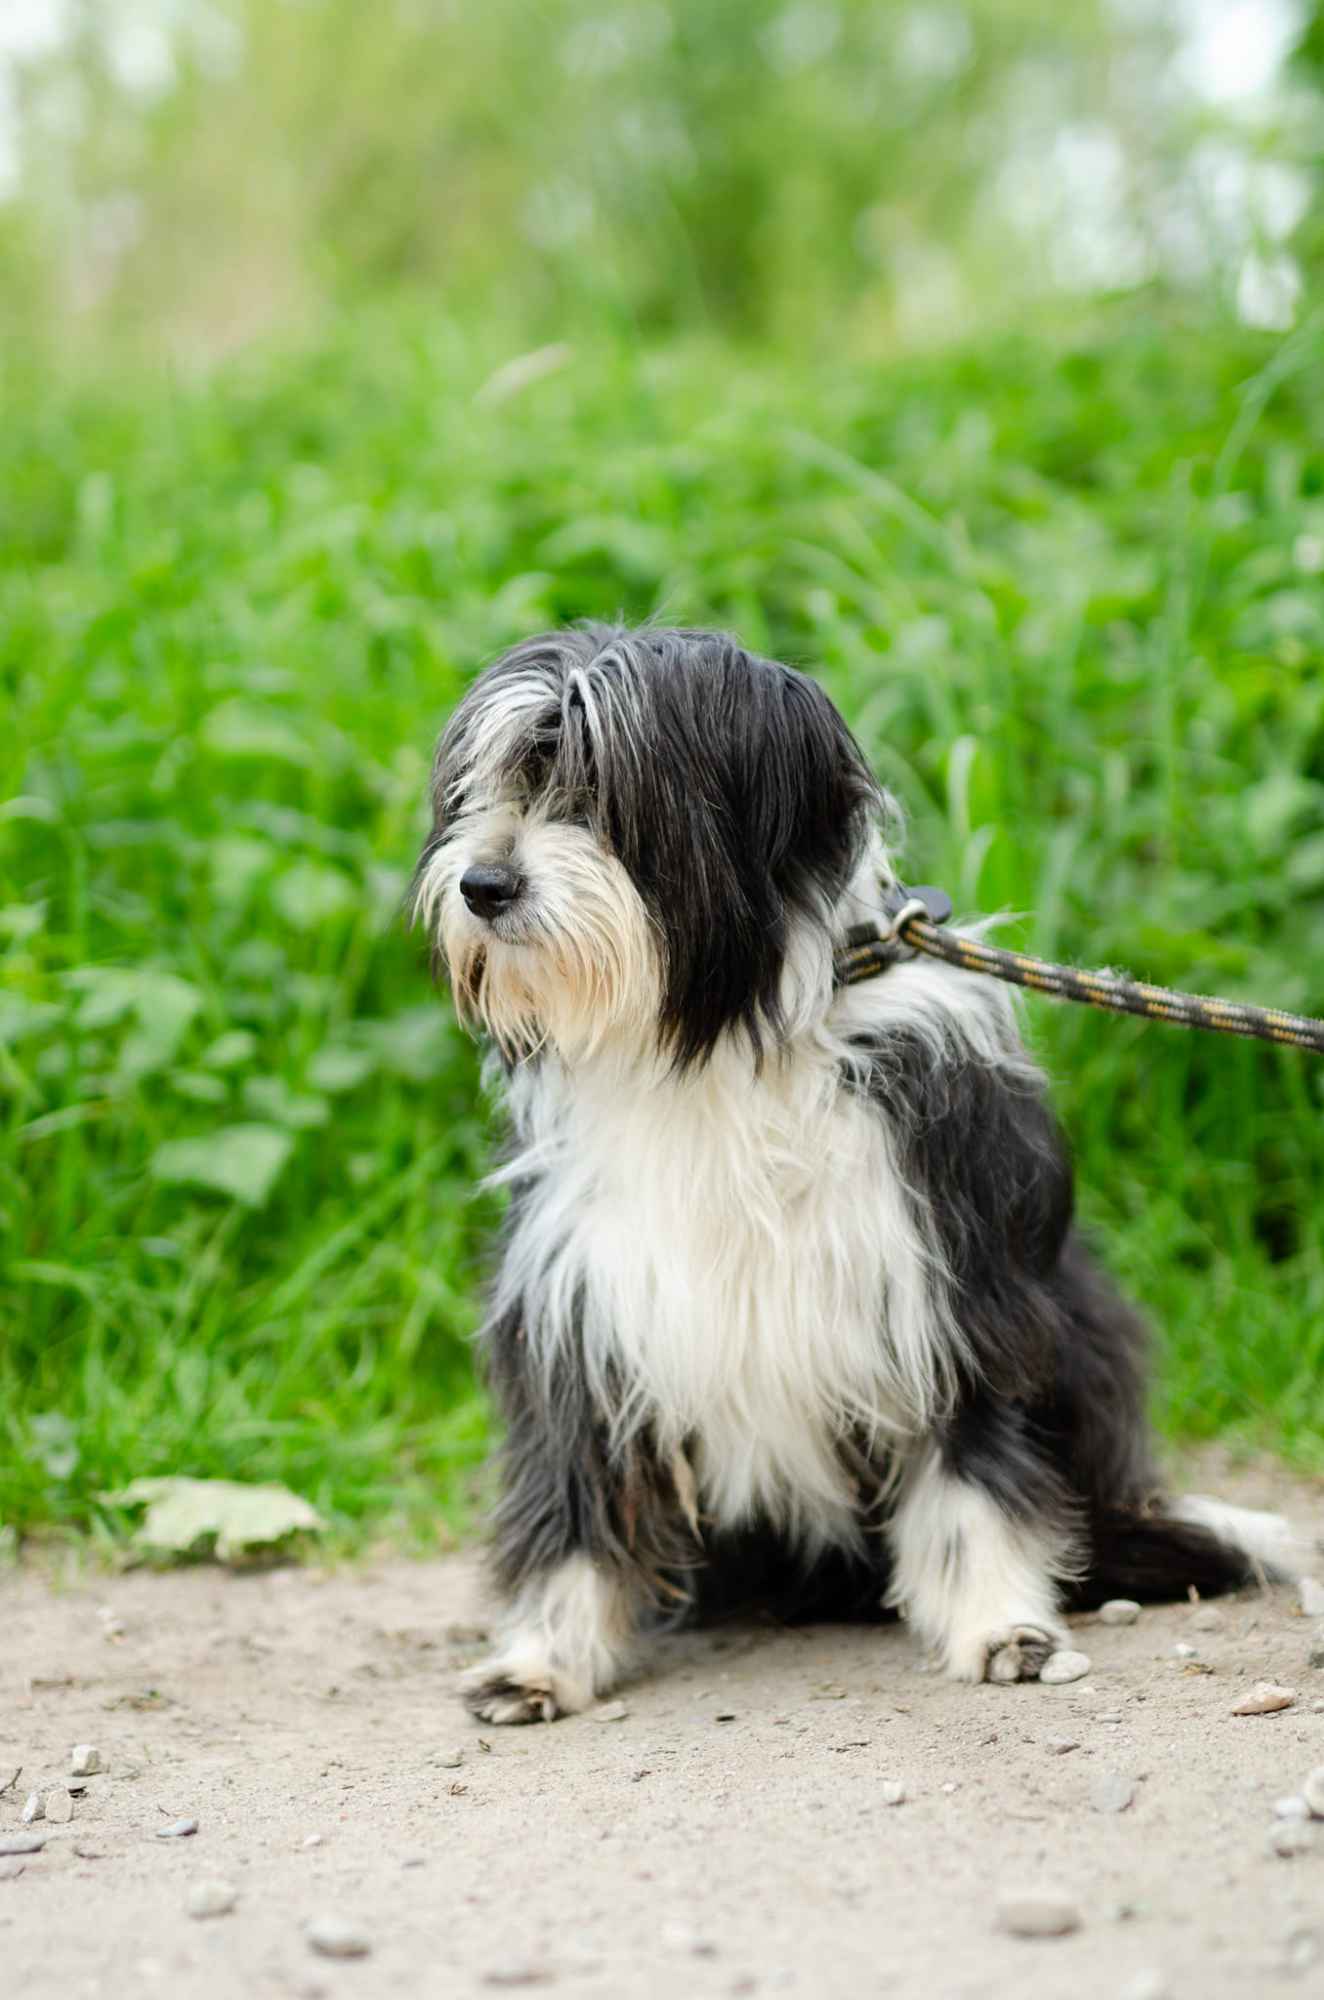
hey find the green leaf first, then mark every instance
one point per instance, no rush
(186, 1517)
(198, 1086)
(241, 728)
(1305, 864)
(310, 893)
(337, 1068)
(20, 1016)
(230, 1051)
(242, 1161)
(414, 1044)
(271, 1097)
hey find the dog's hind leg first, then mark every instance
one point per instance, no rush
(976, 1577)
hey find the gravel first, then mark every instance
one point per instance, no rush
(1265, 1698)
(1111, 1792)
(1059, 1668)
(84, 1760)
(22, 1843)
(1291, 1808)
(1119, 1611)
(1208, 1619)
(1037, 1913)
(892, 1792)
(59, 1806)
(33, 1809)
(1058, 1746)
(1312, 1792)
(211, 1899)
(178, 1829)
(1148, 1984)
(337, 1937)
(1291, 1837)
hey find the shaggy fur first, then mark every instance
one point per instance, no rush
(790, 1310)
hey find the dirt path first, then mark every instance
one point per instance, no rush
(671, 1852)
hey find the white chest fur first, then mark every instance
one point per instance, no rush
(739, 1264)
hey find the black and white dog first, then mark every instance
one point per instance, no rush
(790, 1312)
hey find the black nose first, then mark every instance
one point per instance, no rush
(490, 887)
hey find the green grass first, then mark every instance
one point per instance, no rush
(1069, 596)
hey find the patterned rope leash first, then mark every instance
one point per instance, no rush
(914, 920)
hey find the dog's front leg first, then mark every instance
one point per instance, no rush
(567, 1636)
(974, 1575)
(589, 1533)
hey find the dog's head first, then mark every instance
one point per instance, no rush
(644, 834)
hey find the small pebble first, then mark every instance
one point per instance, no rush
(892, 1792)
(1037, 1913)
(211, 1899)
(22, 1843)
(1058, 1746)
(1208, 1619)
(1301, 1949)
(1059, 1668)
(177, 1830)
(1119, 1611)
(1312, 1792)
(59, 1806)
(1111, 1792)
(84, 1760)
(448, 1760)
(1312, 1597)
(1291, 1808)
(1149, 1984)
(1185, 1651)
(34, 1809)
(313, 1840)
(610, 1711)
(10, 1868)
(1265, 1698)
(336, 1937)
(1289, 1838)
(1316, 1656)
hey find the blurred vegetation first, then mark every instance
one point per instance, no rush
(1069, 596)
(776, 266)
(844, 173)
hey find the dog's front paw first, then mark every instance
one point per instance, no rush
(1015, 1653)
(504, 1691)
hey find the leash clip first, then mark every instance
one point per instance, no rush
(900, 904)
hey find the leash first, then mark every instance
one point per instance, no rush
(913, 923)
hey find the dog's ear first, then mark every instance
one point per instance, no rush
(812, 794)
(739, 802)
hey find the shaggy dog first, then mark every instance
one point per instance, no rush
(790, 1313)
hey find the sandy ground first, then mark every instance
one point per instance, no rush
(727, 1835)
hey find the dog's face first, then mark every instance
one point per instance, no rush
(638, 833)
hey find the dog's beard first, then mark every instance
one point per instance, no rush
(574, 964)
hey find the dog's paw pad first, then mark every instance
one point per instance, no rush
(1018, 1654)
(494, 1696)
